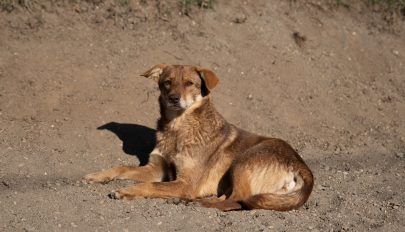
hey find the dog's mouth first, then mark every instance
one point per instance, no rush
(174, 106)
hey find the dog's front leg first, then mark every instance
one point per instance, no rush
(177, 188)
(156, 170)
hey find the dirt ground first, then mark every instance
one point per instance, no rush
(72, 102)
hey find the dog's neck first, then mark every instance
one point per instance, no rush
(167, 115)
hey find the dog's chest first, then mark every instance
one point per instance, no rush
(182, 138)
(167, 144)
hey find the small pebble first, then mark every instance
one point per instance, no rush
(174, 201)
(400, 155)
(240, 19)
(337, 150)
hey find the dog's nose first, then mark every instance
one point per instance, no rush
(174, 98)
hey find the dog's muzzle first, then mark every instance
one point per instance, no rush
(174, 99)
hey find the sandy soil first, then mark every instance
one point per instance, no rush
(72, 102)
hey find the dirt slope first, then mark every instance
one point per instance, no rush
(72, 102)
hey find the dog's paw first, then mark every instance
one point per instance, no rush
(121, 194)
(94, 178)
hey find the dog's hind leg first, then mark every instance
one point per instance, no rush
(156, 170)
(219, 203)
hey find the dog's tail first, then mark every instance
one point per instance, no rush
(283, 202)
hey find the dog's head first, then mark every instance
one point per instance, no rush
(182, 85)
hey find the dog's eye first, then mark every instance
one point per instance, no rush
(189, 83)
(167, 83)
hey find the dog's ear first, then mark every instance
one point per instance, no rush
(154, 72)
(210, 79)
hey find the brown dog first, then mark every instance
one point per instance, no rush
(199, 155)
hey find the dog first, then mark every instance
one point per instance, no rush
(201, 157)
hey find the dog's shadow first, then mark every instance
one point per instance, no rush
(137, 140)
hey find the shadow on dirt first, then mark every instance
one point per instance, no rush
(137, 140)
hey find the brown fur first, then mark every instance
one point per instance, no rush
(199, 155)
